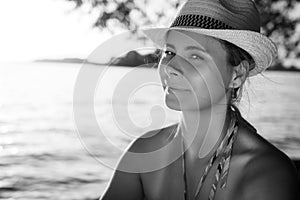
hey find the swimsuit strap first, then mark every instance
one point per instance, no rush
(224, 149)
(223, 165)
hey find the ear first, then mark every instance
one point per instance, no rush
(239, 74)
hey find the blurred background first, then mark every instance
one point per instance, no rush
(43, 46)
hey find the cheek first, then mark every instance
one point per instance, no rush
(227, 75)
(161, 73)
(222, 70)
(209, 83)
(162, 67)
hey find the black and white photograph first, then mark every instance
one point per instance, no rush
(150, 100)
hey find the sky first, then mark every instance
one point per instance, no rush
(38, 29)
(35, 29)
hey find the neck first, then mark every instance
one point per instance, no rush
(203, 129)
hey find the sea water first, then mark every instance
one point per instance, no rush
(43, 155)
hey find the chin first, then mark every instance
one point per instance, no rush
(172, 103)
(175, 107)
(186, 101)
(186, 105)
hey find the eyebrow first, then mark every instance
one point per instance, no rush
(170, 45)
(188, 47)
(195, 47)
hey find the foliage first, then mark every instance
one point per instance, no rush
(279, 18)
(279, 23)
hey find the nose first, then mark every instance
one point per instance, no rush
(173, 72)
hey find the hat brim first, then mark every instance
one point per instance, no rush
(260, 47)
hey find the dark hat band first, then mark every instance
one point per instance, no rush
(199, 21)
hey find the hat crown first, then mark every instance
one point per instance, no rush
(219, 14)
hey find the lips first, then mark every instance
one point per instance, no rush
(175, 88)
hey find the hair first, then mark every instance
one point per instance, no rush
(235, 55)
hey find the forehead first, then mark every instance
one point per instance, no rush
(181, 39)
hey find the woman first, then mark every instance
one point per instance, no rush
(210, 50)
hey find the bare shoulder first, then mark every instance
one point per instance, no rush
(153, 140)
(268, 173)
(126, 182)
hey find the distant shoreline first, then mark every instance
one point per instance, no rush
(68, 60)
(81, 61)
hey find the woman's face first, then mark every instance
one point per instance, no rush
(194, 71)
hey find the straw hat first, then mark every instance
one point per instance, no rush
(236, 21)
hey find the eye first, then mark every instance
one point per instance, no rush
(195, 56)
(169, 53)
